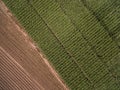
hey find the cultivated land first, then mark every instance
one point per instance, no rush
(22, 66)
(81, 38)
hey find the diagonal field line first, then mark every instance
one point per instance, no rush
(79, 66)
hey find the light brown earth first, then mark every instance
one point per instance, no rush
(22, 66)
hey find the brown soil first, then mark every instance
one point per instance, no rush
(22, 66)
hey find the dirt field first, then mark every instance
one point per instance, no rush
(22, 66)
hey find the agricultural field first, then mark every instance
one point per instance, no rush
(80, 38)
(22, 65)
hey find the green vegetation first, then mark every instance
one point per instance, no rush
(79, 38)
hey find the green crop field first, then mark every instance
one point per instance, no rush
(81, 38)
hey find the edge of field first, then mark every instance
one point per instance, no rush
(33, 44)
